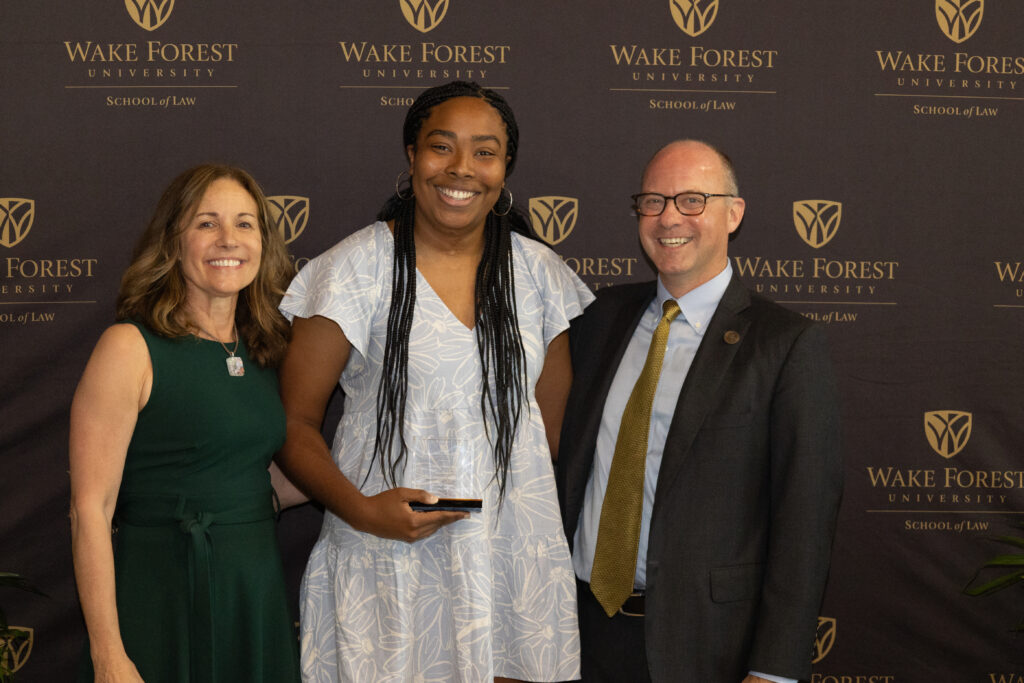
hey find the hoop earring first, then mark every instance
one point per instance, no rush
(509, 209)
(399, 188)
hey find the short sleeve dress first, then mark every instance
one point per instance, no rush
(200, 587)
(492, 595)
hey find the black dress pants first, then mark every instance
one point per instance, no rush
(612, 650)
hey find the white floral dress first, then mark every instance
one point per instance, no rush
(493, 595)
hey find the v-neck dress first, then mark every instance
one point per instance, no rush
(492, 595)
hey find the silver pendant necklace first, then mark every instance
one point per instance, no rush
(235, 366)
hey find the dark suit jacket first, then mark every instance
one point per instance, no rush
(748, 490)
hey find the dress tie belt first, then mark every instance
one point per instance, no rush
(194, 515)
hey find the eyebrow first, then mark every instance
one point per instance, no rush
(215, 214)
(451, 135)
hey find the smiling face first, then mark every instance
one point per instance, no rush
(458, 165)
(221, 243)
(688, 250)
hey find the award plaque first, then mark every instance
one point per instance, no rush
(444, 466)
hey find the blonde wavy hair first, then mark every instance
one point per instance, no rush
(153, 288)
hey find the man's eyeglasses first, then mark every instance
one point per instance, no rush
(688, 203)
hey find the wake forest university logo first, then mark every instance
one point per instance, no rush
(290, 215)
(149, 14)
(16, 647)
(817, 220)
(959, 19)
(16, 216)
(424, 15)
(824, 638)
(553, 218)
(122, 62)
(694, 17)
(948, 431)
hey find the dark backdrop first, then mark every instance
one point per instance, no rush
(878, 145)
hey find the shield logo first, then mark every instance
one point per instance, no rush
(948, 431)
(817, 220)
(149, 14)
(691, 17)
(17, 648)
(424, 15)
(959, 19)
(824, 638)
(16, 216)
(553, 218)
(290, 214)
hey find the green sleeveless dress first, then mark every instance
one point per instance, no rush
(200, 587)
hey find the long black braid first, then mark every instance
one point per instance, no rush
(496, 319)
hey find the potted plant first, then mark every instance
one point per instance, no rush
(1012, 561)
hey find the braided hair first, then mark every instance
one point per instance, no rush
(499, 343)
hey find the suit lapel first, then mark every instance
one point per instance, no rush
(590, 390)
(619, 328)
(726, 332)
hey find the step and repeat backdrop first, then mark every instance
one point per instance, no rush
(879, 147)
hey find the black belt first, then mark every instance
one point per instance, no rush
(634, 606)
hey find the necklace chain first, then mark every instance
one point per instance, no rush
(234, 333)
(235, 366)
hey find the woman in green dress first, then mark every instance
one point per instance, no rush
(173, 426)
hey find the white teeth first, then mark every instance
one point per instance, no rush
(226, 262)
(675, 241)
(455, 194)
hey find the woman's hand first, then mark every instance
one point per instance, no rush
(120, 671)
(388, 515)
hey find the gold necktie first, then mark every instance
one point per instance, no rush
(618, 534)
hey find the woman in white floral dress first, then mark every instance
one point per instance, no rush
(445, 325)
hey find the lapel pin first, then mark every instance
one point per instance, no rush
(731, 337)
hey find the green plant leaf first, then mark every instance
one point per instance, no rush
(9, 580)
(1006, 561)
(994, 585)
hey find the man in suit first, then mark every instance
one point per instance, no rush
(718, 575)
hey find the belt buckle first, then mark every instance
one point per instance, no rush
(635, 594)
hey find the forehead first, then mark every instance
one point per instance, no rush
(223, 194)
(679, 168)
(226, 188)
(466, 116)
